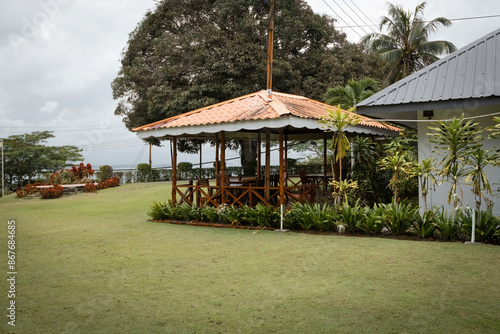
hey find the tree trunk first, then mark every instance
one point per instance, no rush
(248, 153)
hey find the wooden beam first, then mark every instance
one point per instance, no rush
(325, 152)
(268, 165)
(286, 158)
(174, 170)
(223, 166)
(216, 153)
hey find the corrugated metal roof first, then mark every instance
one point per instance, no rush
(254, 107)
(472, 72)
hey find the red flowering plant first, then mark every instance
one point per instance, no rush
(29, 189)
(76, 174)
(54, 192)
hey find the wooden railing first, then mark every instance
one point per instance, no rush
(249, 194)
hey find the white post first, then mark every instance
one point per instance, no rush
(281, 218)
(473, 234)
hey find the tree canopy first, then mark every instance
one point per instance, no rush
(26, 156)
(185, 56)
(406, 46)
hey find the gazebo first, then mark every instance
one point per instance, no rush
(257, 116)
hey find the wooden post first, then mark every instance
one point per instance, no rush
(150, 161)
(174, 170)
(216, 154)
(325, 152)
(268, 165)
(223, 166)
(259, 153)
(285, 163)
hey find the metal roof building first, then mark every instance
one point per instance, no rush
(468, 77)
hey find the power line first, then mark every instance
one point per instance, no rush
(364, 15)
(358, 16)
(341, 19)
(342, 9)
(456, 19)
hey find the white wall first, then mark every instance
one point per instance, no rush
(425, 148)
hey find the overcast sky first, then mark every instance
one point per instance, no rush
(58, 58)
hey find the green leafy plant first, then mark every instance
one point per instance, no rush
(372, 220)
(232, 215)
(306, 217)
(457, 139)
(261, 215)
(105, 172)
(339, 120)
(486, 224)
(350, 217)
(210, 214)
(425, 171)
(399, 217)
(424, 224)
(447, 224)
(343, 189)
(157, 211)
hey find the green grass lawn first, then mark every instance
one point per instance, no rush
(93, 263)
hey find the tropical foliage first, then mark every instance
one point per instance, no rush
(346, 97)
(338, 121)
(406, 46)
(455, 140)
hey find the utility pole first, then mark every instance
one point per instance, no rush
(270, 39)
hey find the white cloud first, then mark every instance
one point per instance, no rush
(49, 107)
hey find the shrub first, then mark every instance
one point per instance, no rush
(210, 214)
(89, 188)
(372, 220)
(29, 189)
(485, 227)
(144, 173)
(306, 217)
(424, 224)
(76, 174)
(350, 217)
(231, 214)
(399, 217)
(261, 215)
(159, 211)
(105, 172)
(447, 225)
(54, 192)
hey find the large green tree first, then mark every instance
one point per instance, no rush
(406, 46)
(185, 56)
(26, 156)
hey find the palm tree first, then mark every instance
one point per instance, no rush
(400, 166)
(406, 47)
(456, 140)
(425, 171)
(339, 120)
(351, 94)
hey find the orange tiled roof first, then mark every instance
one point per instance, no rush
(255, 107)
